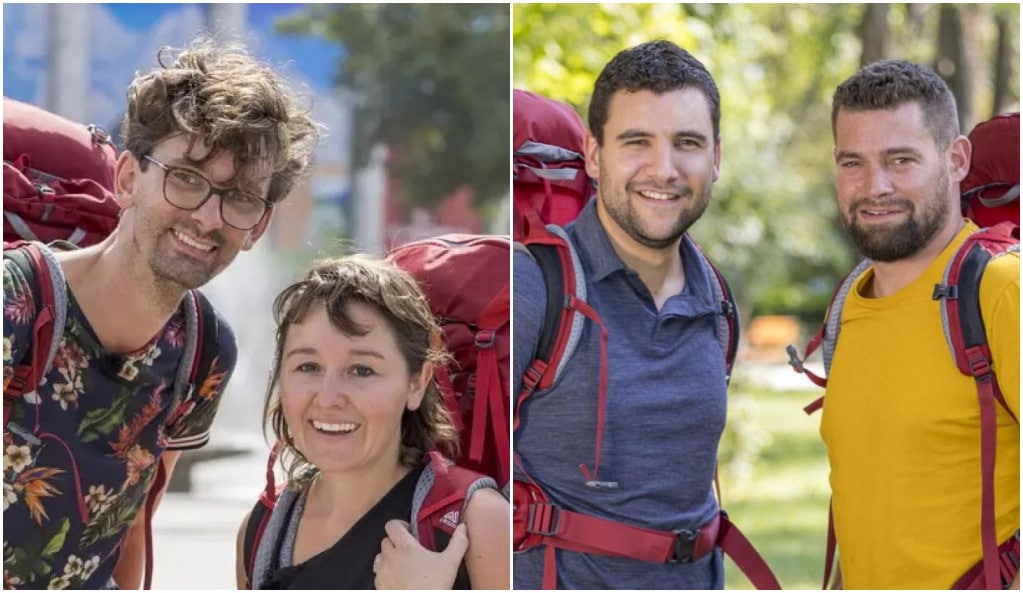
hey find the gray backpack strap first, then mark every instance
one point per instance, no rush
(183, 380)
(55, 275)
(721, 323)
(578, 320)
(423, 485)
(833, 322)
(946, 327)
(283, 523)
(60, 301)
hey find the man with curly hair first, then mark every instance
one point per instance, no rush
(213, 141)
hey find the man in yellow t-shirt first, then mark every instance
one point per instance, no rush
(901, 423)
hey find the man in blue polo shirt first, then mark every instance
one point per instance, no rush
(653, 145)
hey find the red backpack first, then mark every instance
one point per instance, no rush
(990, 196)
(58, 184)
(990, 192)
(58, 178)
(536, 520)
(466, 280)
(549, 167)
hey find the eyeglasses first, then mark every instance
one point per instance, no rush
(188, 190)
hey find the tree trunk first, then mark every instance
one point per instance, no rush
(874, 36)
(1003, 64)
(952, 63)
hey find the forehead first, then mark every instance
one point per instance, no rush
(883, 128)
(671, 111)
(316, 326)
(180, 149)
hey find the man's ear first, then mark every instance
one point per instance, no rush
(960, 153)
(717, 159)
(126, 175)
(592, 148)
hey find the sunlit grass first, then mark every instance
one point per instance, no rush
(779, 499)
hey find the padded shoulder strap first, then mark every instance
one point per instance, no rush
(833, 320)
(267, 544)
(727, 325)
(559, 336)
(46, 277)
(441, 496)
(255, 529)
(201, 347)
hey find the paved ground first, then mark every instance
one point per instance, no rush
(194, 533)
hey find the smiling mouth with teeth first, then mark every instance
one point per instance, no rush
(191, 242)
(334, 428)
(656, 195)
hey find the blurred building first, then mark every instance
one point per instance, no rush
(78, 59)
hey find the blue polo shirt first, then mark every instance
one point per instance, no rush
(666, 405)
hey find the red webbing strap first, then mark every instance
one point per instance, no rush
(550, 569)
(269, 495)
(829, 552)
(988, 433)
(155, 489)
(1008, 564)
(578, 305)
(589, 534)
(489, 391)
(741, 551)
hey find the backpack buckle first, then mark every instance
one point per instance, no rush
(942, 291)
(485, 338)
(99, 135)
(685, 546)
(544, 519)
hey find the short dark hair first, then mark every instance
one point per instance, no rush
(889, 84)
(659, 66)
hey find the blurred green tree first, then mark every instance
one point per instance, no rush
(773, 225)
(431, 83)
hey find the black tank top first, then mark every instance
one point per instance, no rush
(348, 564)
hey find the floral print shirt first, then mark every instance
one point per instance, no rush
(81, 452)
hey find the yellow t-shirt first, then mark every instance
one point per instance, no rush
(902, 427)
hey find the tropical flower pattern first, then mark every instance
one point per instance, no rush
(80, 453)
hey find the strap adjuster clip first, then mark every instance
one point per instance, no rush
(544, 519)
(685, 546)
(485, 338)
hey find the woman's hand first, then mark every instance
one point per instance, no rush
(403, 563)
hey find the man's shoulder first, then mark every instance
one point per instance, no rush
(1001, 276)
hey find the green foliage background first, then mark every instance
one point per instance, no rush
(773, 225)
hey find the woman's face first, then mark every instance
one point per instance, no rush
(343, 396)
